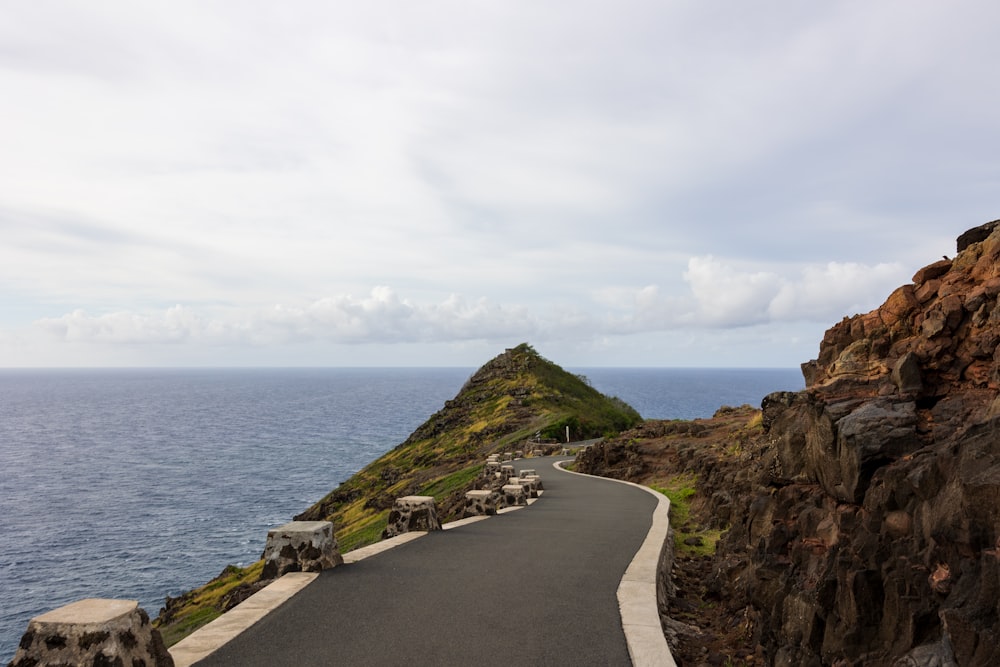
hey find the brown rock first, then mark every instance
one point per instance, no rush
(898, 524)
(863, 518)
(927, 290)
(976, 235)
(932, 271)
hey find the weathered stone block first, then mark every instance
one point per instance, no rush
(529, 484)
(93, 632)
(411, 513)
(506, 472)
(536, 479)
(513, 495)
(480, 503)
(300, 546)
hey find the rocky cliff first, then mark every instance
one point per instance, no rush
(872, 535)
(864, 519)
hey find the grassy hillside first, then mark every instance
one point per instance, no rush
(507, 405)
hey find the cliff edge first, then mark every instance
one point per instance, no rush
(861, 517)
(872, 538)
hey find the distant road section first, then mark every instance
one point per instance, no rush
(536, 586)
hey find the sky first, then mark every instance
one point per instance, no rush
(627, 183)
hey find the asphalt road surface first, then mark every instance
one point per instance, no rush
(531, 587)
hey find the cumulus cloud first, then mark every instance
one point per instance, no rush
(727, 296)
(380, 317)
(175, 325)
(721, 296)
(724, 296)
(623, 167)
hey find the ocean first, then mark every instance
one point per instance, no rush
(143, 483)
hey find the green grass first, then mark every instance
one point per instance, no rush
(456, 481)
(202, 605)
(362, 533)
(679, 489)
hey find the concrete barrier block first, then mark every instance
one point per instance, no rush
(411, 513)
(513, 495)
(536, 479)
(93, 632)
(480, 503)
(300, 546)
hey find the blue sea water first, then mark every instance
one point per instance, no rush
(143, 483)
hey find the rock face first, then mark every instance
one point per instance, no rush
(867, 532)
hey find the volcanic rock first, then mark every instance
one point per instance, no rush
(878, 546)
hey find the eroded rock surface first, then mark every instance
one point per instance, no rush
(864, 524)
(876, 497)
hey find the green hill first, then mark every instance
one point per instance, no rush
(516, 400)
(502, 407)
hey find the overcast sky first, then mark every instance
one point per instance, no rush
(628, 183)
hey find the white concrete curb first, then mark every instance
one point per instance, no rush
(212, 636)
(647, 644)
(636, 596)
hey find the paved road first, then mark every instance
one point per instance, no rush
(536, 586)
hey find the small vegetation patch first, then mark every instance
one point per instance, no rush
(689, 537)
(454, 482)
(187, 613)
(362, 533)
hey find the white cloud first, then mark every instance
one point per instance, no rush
(728, 297)
(587, 170)
(824, 291)
(721, 297)
(380, 317)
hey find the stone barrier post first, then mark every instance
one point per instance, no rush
(93, 632)
(300, 546)
(513, 495)
(411, 513)
(534, 478)
(480, 503)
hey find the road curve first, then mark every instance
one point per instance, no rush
(536, 586)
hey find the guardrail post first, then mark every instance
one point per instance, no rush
(411, 513)
(93, 632)
(300, 546)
